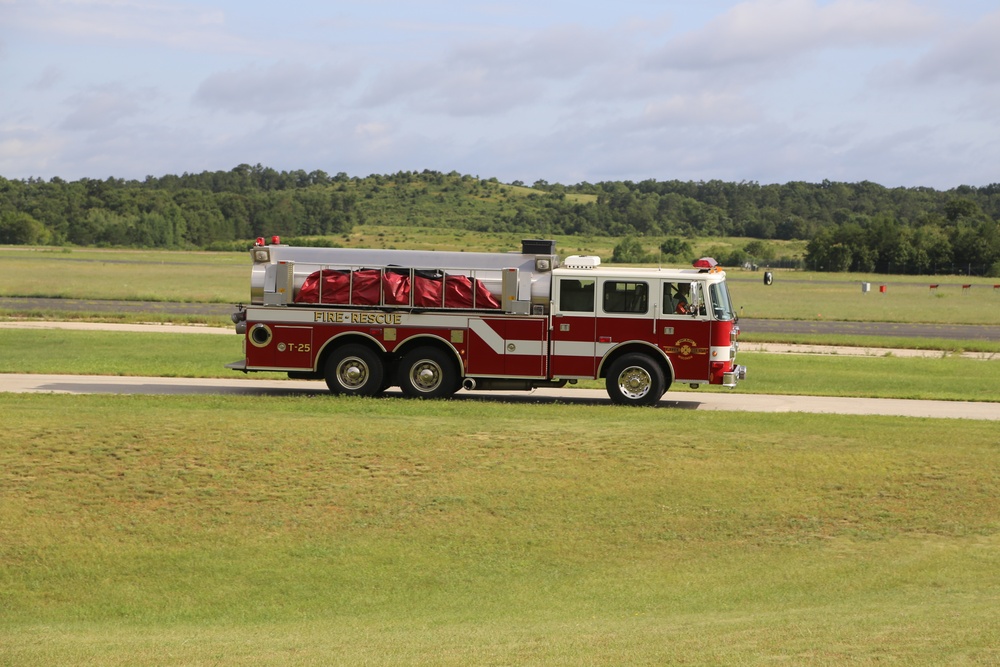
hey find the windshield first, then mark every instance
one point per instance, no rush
(722, 307)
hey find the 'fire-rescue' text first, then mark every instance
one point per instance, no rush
(339, 317)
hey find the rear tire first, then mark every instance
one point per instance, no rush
(354, 370)
(635, 379)
(428, 372)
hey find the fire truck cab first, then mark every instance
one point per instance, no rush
(432, 322)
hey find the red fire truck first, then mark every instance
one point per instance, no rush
(433, 322)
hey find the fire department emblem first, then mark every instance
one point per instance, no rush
(685, 349)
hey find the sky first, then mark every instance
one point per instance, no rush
(904, 93)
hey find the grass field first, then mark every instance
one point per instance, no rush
(224, 278)
(943, 345)
(253, 531)
(810, 296)
(131, 275)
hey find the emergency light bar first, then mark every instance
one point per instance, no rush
(705, 263)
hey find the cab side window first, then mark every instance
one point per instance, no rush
(621, 296)
(676, 298)
(576, 295)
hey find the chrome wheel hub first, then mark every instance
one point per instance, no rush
(426, 375)
(352, 372)
(634, 382)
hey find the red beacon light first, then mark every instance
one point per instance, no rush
(706, 264)
(259, 242)
(275, 240)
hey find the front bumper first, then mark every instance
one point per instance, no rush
(734, 376)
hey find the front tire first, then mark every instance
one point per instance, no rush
(635, 379)
(428, 372)
(354, 370)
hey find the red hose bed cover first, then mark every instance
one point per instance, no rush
(361, 288)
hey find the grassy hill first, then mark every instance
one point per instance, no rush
(859, 227)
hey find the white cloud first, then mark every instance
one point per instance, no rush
(459, 88)
(104, 106)
(970, 54)
(48, 79)
(373, 137)
(776, 31)
(705, 108)
(27, 149)
(182, 26)
(490, 77)
(280, 88)
(553, 53)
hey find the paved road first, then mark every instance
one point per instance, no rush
(731, 401)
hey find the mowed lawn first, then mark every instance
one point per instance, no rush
(217, 530)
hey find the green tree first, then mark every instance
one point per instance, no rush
(629, 251)
(931, 250)
(759, 252)
(976, 246)
(22, 229)
(675, 248)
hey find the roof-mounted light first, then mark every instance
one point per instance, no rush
(706, 264)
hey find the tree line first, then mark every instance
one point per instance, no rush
(849, 226)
